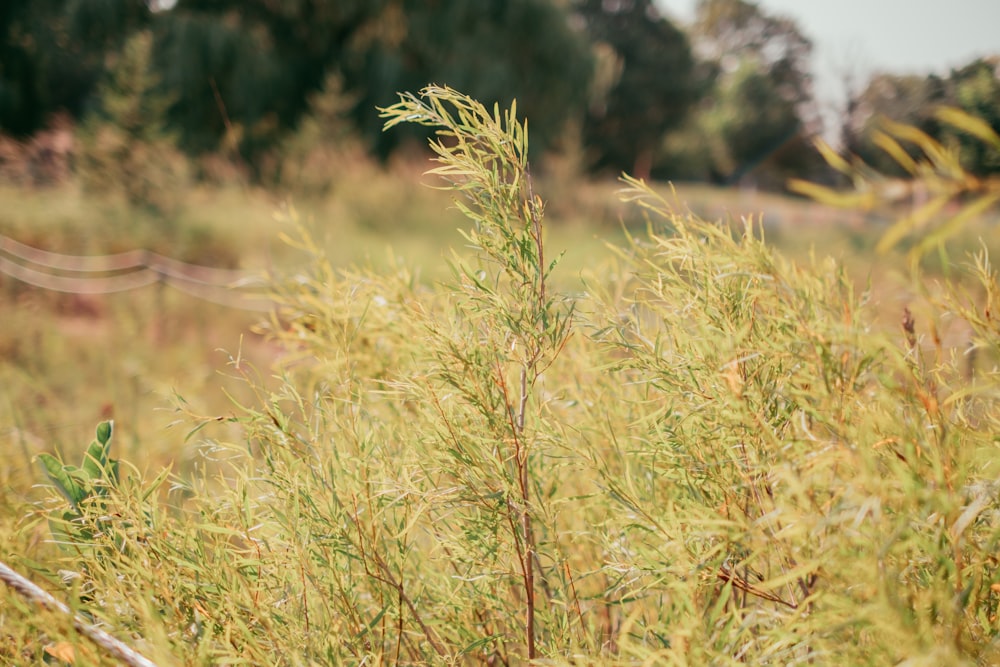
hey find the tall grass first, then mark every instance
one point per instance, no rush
(712, 456)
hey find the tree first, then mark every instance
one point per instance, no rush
(495, 50)
(749, 124)
(19, 94)
(734, 33)
(52, 53)
(908, 99)
(914, 100)
(243, 71)
(249, 67)
(651, 86)
(759, 113)
(125, 147)
(975, 88)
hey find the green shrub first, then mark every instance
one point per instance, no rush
(712, 456)
(125, 149)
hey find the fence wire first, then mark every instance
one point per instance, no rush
(131, 270)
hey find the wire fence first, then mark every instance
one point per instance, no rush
(131, 270)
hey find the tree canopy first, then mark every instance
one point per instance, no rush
(651, 90)
(726, 97)
(249, 67)
(914, 99)
(755, 119)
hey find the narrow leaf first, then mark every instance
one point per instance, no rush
(832, 157)
(968, 123)
(910, 223)
(895, 151)
(831, 197)
(945, 161)
(955, 224)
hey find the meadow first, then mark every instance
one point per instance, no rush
(509, 420)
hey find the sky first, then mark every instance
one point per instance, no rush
(868, 36)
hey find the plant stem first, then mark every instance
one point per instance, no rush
(114, 647)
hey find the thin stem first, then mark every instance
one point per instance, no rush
(527, 551)
(113, 646)
(536, 227)
(524, 399)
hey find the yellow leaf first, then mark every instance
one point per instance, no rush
(892, 147)
(62, 651)
(832, 158)
(945, 161)
(909, 133)
(831, 197)
(955, 224)
(731, 373)
(961, 120)
(910, 223)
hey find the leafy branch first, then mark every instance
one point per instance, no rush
(936, 179)
(483, 156)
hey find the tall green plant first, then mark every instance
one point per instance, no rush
(735, 466)
(796, 487)
(85, 487)
(516, 327)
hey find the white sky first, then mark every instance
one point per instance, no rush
(866, 36)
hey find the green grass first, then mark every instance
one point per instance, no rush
(692, 447)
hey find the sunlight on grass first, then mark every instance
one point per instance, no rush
(687, 447)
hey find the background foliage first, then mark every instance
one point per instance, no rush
(728, 99)
(706, 453)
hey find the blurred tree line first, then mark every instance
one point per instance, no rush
(727, 99)
(913, 100)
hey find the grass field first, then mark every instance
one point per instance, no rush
(142, 347)
(70, 360)
(692, 447)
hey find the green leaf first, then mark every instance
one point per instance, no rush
(371, 624)
(479, 643)
(82, 479)
(63, 478)
(65, 529)
(104, 431)
(94, 460)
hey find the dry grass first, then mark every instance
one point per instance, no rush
(693, 449)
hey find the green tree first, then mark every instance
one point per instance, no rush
(19, 94)
(243, 71)
(52, 53)
(975, 89)
(249, 68)
(496, 50)
(735, 32)
(749, 124)
(908, 99)
(915, 100)
(652, 82)
(125, 145)
(757, 118)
